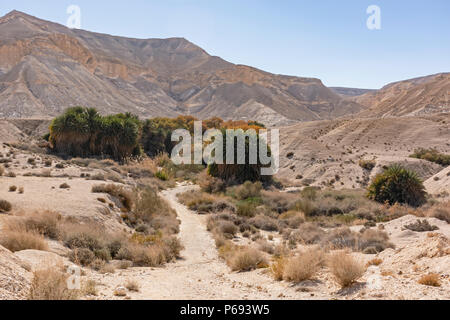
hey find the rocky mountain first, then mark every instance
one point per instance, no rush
(419, 96)
(46, 68)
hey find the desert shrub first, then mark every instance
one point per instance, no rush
(376, 240)
(82, 256)
(341, 238)
(303, 266)
(97, 177)
(345, 269)
(103, 254)
(89, 288)
(172, 248)
(369, 241)
(223, 206)
(5, 206)
(147, 256)
(152, 210)
(46, 223)
(51, 284)
(432, 155)
(245, 209)
(117, 191)
(20, 240)
(308, 233)
(227, 227)
(246, 190)
(397, 185)
(132, 285)
(198, 201)
(2, 170)
(421, 226)
(292, 219)
(265, 246)
(64, 186)
(245, 259)
(431, 279)
(210, 184)
(277, 268)
(367, 164)
(162, 175)
(84, 237)
(278, 201)
(441, 212)
(306, 206)
(264, 223)
(11, 174)
(12, 188)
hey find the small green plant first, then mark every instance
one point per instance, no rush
(162, 175)
(398, 185)
(432, 155)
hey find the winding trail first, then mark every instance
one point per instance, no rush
(200, 273)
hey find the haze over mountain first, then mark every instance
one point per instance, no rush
(351, 92)
(46, 67)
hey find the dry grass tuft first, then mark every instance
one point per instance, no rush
(431, 279)
(45, 223)
(345, 268)
(51, 285)
(277, 268)
(246, 259)
(22, 240)
(132, 285)
(441, 212)
(375, 262)
(89, 288)
(304, 266)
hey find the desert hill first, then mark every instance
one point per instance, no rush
(46, 67)
(324, 152)
(419, 96)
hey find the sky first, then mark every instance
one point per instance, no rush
(325, 39)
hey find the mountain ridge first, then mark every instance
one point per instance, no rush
(46, 67)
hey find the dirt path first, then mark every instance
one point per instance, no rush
(200, 274)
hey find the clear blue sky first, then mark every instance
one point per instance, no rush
(327, 39)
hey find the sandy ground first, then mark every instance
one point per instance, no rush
(200, 274)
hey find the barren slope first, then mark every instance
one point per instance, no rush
(418, 96)
(46, 67)
(329, 151)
